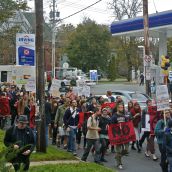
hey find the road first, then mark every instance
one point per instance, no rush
(135, 162)
(102, 88)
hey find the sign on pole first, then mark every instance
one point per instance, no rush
(93, 75)
(170, 76)
(25, 49)
(148, 60)
(162, 97)
(148, 73)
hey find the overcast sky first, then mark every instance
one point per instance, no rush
(99, 12)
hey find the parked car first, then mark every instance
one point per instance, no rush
(127, 96)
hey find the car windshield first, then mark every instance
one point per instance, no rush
(138, 97)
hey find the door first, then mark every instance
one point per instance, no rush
(3, 76)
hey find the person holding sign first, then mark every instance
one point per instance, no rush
(121, 149)
(159, 133)
(149, 115)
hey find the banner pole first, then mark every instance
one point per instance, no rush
(165, 119)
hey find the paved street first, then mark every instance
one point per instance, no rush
(134, 162)
(102, 88)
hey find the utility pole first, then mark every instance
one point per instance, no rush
(41, 145)
(53, 15)
(146, 43)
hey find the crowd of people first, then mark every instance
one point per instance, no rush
(72, 122)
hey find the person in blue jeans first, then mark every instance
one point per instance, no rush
(168, 143)
(71, 120)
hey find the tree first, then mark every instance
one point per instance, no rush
(112, 71)
(8, 29)
(127, 9)
(64, 33)
(88, 46)
(8, 9)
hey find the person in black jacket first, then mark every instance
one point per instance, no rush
(103, 123)
(71, 120)
(47, 117)
(18, 137)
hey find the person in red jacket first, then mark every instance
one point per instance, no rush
(136, 116)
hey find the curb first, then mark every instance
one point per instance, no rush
(54, 162)
(39, 163)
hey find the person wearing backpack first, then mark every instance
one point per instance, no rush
(20, 138)
(92, 136)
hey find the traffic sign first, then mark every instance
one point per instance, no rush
(147, 60)
(65, 65)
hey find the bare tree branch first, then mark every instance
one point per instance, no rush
(126, 8)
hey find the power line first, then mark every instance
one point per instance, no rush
(82, 6)
(155, 6)
(80, 10)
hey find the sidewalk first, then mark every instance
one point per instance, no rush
(39, 163)
(54, 162)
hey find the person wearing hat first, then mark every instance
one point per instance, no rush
(20, 137)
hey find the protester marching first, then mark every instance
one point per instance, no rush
(92, 124)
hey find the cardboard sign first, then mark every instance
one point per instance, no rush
(162, 97)
(31, 85)
(55, 88)
(121, 133)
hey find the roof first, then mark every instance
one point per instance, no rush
(158, 22)
(30, 16)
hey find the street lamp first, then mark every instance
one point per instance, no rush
(143, 48)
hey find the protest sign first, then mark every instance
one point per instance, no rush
(31, 85)
(54, 90)
(121, 133)
(162, 97)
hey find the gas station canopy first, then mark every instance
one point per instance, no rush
(159, 23)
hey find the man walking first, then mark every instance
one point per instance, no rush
(92, 136)
(21, 137)
(141, 79)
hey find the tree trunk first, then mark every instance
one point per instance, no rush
(129, 64)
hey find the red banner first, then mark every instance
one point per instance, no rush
(121, 133)
(110, 105)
